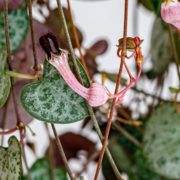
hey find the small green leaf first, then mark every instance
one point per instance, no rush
(113, 77)
(18, 25)
(10, 160)
(59, 174)
(41, 170)
(161, 141)
(174, 90)
(52, 100)
(161, 54)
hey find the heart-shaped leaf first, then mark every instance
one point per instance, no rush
(10, 160)
(18, 25)
(161, 141)
(5, 83)
(51, 99)
(41, 170)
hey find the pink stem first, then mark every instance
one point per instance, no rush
(9, 131)
(120, 95)
(132, 55)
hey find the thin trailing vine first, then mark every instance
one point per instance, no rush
(127, 135)
(32, 36)
(108, 127)
(173, 47)
(74, 30)
(95, 122)
(61, 151)
(8, 50)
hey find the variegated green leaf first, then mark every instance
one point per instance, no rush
(10, 161)
(5, 86)
(162, 141)
(18, 25)
(41, 170)
(2, 61)
(52, 100)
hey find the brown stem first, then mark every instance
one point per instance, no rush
(61, 152)
(3, 123)
(108, 127)
(8, 131)
(93, 156)
(173, 47)
(129, 122)
(95, 122)
(61, 14)
(25, 161)
(6, 31)
(127, 135)
(74, 30)
(32, 36)
(8, 50)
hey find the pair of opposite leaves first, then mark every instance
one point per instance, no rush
(53, 100)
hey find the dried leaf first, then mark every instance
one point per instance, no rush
(23, 60)
(72, 143)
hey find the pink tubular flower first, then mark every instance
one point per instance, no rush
(96, 94)
(170, 12)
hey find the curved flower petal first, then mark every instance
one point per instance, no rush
(170, 12)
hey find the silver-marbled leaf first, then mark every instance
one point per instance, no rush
(5, 86)
(10, 160)
(162, 141)
(52, 100)
(18, 25)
